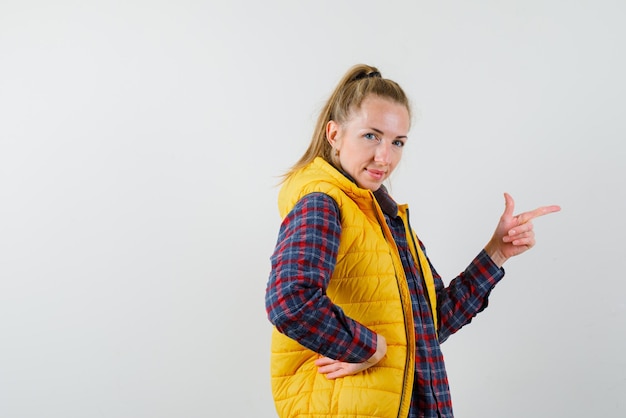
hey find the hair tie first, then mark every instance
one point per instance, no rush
(373, 74)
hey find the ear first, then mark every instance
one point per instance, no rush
(332, 132)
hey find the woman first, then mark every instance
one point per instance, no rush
(359, 311)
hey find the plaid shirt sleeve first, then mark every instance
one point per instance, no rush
(302, 263)
(466, 295)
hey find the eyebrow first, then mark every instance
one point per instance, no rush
(382, 133)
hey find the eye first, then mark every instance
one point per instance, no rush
(398, 143)
(370, 136)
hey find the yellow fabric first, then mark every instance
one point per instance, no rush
(370, 286)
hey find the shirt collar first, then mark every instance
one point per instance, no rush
(386, 202)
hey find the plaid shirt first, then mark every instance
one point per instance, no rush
(296, 301)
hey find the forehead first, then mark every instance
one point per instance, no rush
(383, 112)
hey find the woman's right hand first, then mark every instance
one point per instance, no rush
(335, 368)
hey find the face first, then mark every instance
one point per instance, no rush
(370, 142)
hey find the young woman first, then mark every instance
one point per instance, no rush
(358, 309)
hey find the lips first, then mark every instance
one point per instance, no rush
(378, 174)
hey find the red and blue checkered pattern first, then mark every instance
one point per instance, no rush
(296, 301)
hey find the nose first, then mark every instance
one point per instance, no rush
(383, 153)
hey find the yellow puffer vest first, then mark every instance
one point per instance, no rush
(370, 286)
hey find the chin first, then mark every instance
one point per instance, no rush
(372, 187)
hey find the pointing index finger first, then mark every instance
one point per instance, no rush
(543, 210)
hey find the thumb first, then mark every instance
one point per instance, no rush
(509, 206)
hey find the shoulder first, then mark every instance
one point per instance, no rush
(319, 176)
(314, 217)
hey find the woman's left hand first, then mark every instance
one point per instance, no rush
(514, 234)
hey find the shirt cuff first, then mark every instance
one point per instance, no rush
(363, 345)
(484, 271)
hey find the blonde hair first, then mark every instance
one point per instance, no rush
(360, 82)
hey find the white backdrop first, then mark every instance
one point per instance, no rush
(140, 145)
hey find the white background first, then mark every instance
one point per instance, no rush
(140, 146)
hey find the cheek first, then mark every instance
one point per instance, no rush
(395, 161)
